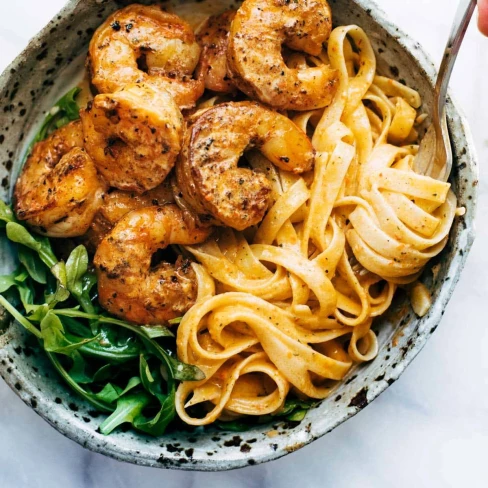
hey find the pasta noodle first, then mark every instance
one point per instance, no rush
(288, 306)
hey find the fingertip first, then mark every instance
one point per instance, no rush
(483, 16)
(483, 25)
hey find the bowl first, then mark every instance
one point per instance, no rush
(51, 64)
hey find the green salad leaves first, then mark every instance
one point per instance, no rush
(120, 368)
(126, 371)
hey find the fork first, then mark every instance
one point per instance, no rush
(435, 155)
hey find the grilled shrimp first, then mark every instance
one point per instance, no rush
(207, 169)
(58, 191)
(133, 136)
(145, 44)
(128, 286)
(257, 34)
(117, 203)
(212, 37)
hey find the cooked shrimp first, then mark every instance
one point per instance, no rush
(145, 44)
(117, 203)
(133, 136)
(128, 286)
(257, 34)
(207, 169)
(58, 191)
(212, 37)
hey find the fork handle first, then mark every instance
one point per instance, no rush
(460, 25)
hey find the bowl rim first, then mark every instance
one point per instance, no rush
(424, 62)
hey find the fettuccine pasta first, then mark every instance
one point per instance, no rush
(288, 306)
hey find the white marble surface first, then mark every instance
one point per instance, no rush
(429, 429)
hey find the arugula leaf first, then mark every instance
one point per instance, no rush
(131, 384)
(78, 369)
(157, 425)
(297, 415)
(75, 345)
(175, 321)
(68, 104)
(145, 374)
(109, 349)
(72, 276)
(152, 382)
(155, 331)
(103, 407)
(295, 409)
(20, 280)
(75, 327)
(20, 275)
(27, 294)
(38, 312)
(61, 294)
(113, 355)
(55, 339)
(89, 281)
(76, 267)
(19, 317)
(129, 407)
(79, 281)
(104, 373)
(179, 370)
(19, 234)
(7, 281)
(33, 264)
(112, 393)
(6, 214)
(52, 332)
(15, 278)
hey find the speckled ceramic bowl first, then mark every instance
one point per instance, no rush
(50, 65)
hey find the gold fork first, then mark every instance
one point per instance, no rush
(435, 154)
